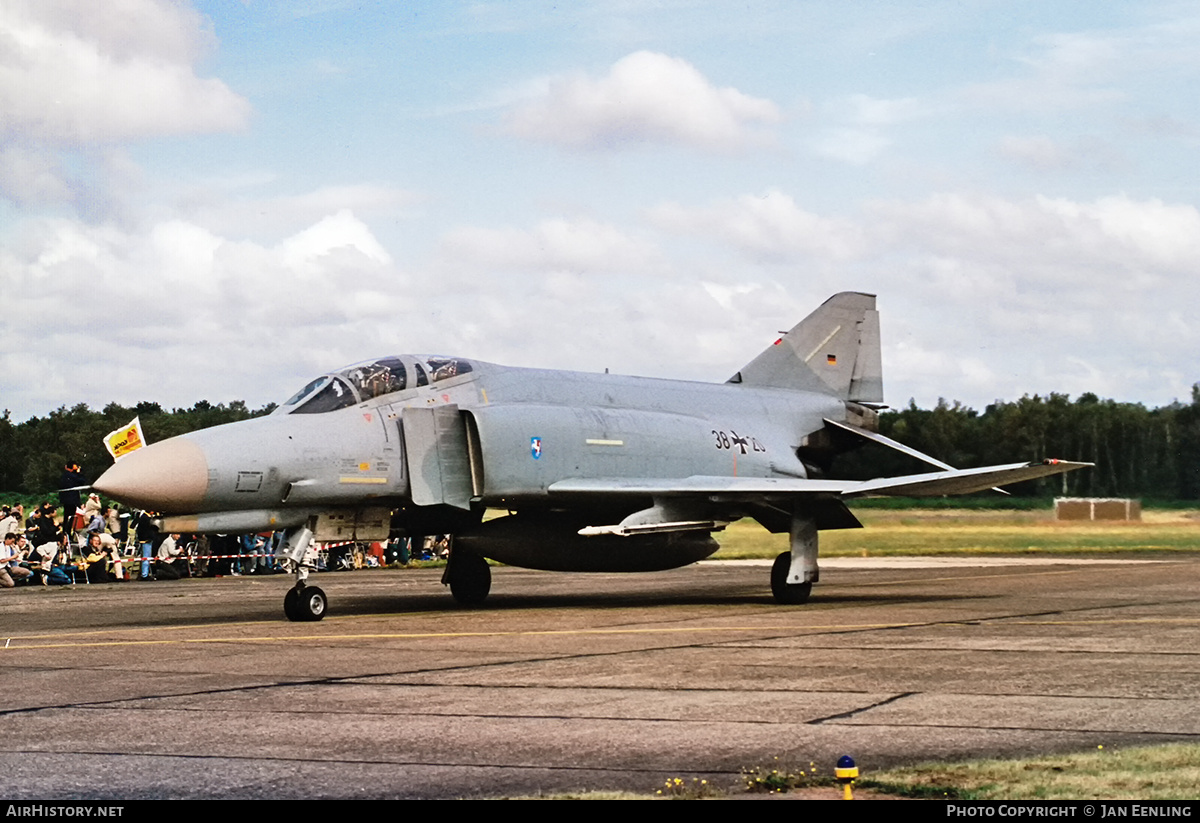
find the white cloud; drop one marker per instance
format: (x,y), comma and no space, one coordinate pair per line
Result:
(854,146)
(78,79)
(1075,53)
(77,72)
(1040,288)
(339,231)
(170,31)
(982,296)
(32,176)
(1050,243)
(579,245)
(222,207)
(176,312)
(1038,152)
(874,111)
(1061,72)
(1151,231)
(859,124)
(1041,153)
(768,226)
(645,98)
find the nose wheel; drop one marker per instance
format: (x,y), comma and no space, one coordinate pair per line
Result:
(305,604)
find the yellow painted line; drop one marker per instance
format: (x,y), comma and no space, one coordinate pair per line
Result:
(19,643)
(466,635)
(138,630)
(363,480)
(1115,621)
(595,442)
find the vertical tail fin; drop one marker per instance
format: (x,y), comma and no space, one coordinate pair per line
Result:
(835,350)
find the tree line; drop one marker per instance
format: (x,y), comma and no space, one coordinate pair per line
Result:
(1138,452)
(32,453)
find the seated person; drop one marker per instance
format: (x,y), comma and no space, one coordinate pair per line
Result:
(53,562)
(170,564)
(10,559)
(97,559)
(44,554)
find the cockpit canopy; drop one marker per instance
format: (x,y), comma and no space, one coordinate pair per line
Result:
(370,379)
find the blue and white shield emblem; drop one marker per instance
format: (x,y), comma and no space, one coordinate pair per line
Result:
(535,447)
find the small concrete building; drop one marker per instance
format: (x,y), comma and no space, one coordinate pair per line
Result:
(1097,508)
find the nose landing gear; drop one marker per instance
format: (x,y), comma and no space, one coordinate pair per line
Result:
(304,604)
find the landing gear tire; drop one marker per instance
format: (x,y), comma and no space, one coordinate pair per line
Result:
(789,594)
(290,600)
(305,605)
(470,578)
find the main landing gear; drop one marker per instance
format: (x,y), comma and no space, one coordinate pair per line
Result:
(469,577)
(795,571)
(789,594)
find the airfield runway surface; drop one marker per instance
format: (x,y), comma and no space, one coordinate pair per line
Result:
(200,688)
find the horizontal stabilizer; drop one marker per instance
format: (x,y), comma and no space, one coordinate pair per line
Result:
(883,440)
(961,481)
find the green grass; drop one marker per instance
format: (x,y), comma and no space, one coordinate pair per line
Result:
(975,532)
(1170,772)
(984,501)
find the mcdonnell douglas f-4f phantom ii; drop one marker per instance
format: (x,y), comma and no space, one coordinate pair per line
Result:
(598,472)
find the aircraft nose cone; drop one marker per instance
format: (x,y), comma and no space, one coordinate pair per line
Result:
(169,477)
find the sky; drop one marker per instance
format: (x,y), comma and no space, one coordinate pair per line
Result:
(221,200)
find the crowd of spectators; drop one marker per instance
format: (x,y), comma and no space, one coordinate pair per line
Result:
(81,540)
(102,545)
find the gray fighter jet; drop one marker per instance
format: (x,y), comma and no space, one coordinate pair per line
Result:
(596,472)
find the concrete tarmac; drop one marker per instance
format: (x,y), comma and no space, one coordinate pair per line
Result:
(200,688)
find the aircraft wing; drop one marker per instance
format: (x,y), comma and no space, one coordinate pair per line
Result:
(930,484)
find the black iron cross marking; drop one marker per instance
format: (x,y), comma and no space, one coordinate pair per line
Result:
(740,442)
